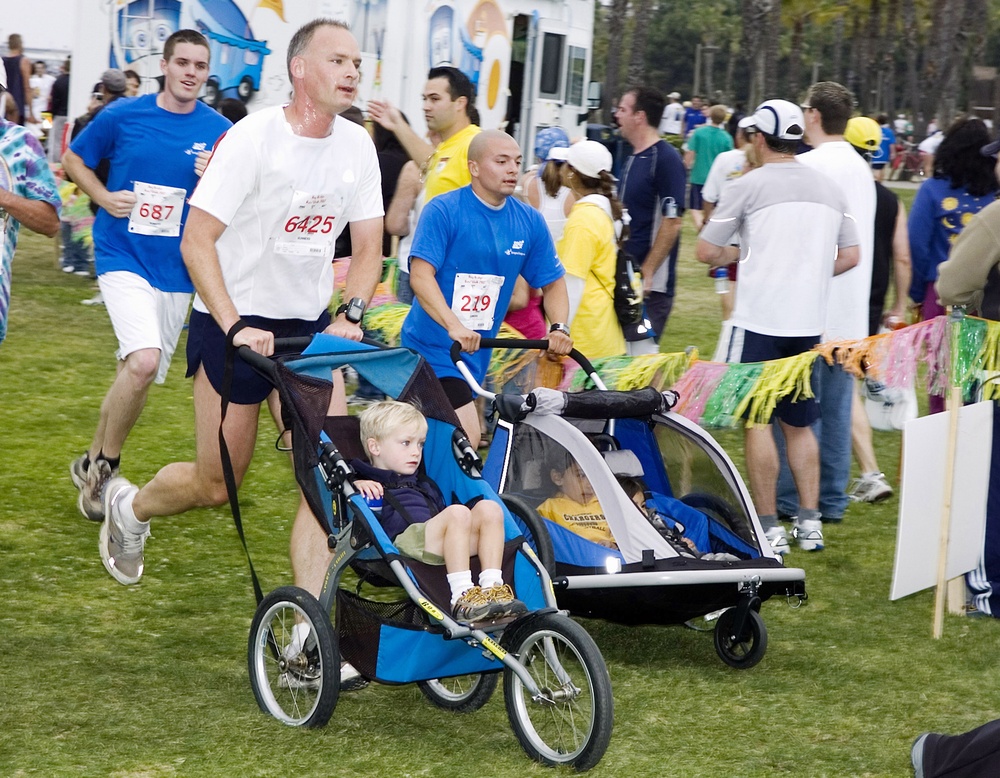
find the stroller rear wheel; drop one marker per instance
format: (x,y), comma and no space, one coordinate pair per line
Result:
(570,722)
(745,649)
(293,659)
(462,693)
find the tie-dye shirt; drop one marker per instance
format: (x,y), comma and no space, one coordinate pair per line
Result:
(25,171)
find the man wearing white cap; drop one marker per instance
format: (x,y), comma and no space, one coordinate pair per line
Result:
(826,110)
(793,236)
(28,196)
(672,120)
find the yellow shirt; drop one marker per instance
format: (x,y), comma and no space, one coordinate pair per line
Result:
(587,521)
(588,251)
(448,167)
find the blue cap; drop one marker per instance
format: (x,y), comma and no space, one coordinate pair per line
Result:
(548,139)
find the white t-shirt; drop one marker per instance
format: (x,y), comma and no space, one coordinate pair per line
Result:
(41,88)
(726,167)
(790,221)
(848,311)
(929,145)
(672,119)
(284,200)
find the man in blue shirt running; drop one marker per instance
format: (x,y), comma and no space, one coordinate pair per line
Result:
(152,143)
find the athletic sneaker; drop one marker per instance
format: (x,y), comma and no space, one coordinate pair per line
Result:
(809,533)
(473,606)
(778,540)
(503,597)
(121,550)
(871,487)
(78,472)
(91,499)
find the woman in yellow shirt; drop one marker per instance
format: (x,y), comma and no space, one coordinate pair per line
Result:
(588,250)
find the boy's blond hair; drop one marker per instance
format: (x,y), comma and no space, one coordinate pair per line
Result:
(382,418)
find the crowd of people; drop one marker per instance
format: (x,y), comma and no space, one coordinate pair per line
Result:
(784,200)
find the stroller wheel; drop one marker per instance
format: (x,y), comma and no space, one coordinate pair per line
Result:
(532,526)
(462,693)
(570,722)
(743,650)
(293,659)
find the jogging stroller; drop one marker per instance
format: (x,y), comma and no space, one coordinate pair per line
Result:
(691,489)
(556,685)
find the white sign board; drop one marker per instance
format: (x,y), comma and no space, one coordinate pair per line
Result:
(918,536)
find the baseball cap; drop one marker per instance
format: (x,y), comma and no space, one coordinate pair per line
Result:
(589,158)
(548,139)
(674,96)
(863,133)
(113,80)
(778,118)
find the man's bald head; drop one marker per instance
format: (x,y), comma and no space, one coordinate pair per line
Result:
(487,141)
(494,163)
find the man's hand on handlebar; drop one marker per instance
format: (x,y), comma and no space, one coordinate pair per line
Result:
(560,344)
(468,338)
(260,341)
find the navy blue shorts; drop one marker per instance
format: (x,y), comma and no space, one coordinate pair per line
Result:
(695,203)
(206,346)
(746,346)
(458,390)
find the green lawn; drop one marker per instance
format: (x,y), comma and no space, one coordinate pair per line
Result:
(100,679)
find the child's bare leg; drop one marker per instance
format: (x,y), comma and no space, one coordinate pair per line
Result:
(448,535)
(487,534)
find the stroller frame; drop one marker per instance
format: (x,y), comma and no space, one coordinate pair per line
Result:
(552,670)
(647,581)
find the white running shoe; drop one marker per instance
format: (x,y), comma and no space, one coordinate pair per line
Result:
(121,550)
(871,487)
(809,533)
(778,539)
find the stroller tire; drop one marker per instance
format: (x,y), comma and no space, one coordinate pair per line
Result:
(745,650)
(533,528)
(571,723)
(462,693)
(298,684)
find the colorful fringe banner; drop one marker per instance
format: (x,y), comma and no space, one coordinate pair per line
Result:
(722,395)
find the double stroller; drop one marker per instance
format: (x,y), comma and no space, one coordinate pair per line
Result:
(694,548)
(556,686)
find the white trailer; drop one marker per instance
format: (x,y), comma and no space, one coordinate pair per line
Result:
(530,59)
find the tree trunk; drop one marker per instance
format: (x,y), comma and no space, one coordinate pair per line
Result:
(641,11)
(794,85)
(837,67)
(912,83)
(612,74)
(772,38)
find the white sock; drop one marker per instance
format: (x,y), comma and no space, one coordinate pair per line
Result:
(491,577)
(460,583)
(129,521)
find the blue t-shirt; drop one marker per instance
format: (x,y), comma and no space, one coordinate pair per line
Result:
(655,177)
(459,233)
(938,214)
(693,117)
(884,153)
(147,144)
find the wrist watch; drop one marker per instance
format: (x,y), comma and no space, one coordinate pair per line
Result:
(353,310)
(560,327)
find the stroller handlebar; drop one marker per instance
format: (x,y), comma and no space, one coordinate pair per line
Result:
(540,345)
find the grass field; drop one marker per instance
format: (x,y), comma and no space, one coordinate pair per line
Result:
(147,681)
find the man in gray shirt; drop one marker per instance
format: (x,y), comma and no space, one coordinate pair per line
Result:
(794,236)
